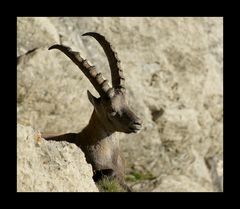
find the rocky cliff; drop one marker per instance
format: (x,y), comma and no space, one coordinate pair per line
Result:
(174,77)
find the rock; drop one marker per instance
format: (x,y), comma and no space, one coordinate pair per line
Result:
(48,166)
(34,32)
(174,77)
(178,183)
(45,93)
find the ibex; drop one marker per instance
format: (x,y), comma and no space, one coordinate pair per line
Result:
(111,114)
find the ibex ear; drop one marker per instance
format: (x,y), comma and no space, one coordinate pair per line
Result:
(92,98)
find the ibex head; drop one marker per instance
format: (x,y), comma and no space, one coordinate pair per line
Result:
(114,112)
(111,107)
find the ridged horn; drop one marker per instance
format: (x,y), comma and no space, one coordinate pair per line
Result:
(90,72)
(114,63)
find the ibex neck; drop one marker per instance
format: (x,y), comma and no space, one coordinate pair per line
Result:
(94,131)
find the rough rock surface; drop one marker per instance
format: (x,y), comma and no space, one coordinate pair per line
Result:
(48,166)
(174,77)
(40,32)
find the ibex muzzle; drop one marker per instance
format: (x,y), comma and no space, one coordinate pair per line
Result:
(111,114)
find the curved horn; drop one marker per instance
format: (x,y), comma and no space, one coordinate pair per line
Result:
(95,78)
(114,63)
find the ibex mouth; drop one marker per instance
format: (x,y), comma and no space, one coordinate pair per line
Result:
(135,127)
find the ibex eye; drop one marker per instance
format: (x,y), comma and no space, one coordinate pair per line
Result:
(113,113)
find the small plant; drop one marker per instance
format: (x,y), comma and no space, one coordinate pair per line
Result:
(134,176)
(109,185)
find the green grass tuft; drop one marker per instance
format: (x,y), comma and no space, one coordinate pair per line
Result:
(134,176)
(107,185)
